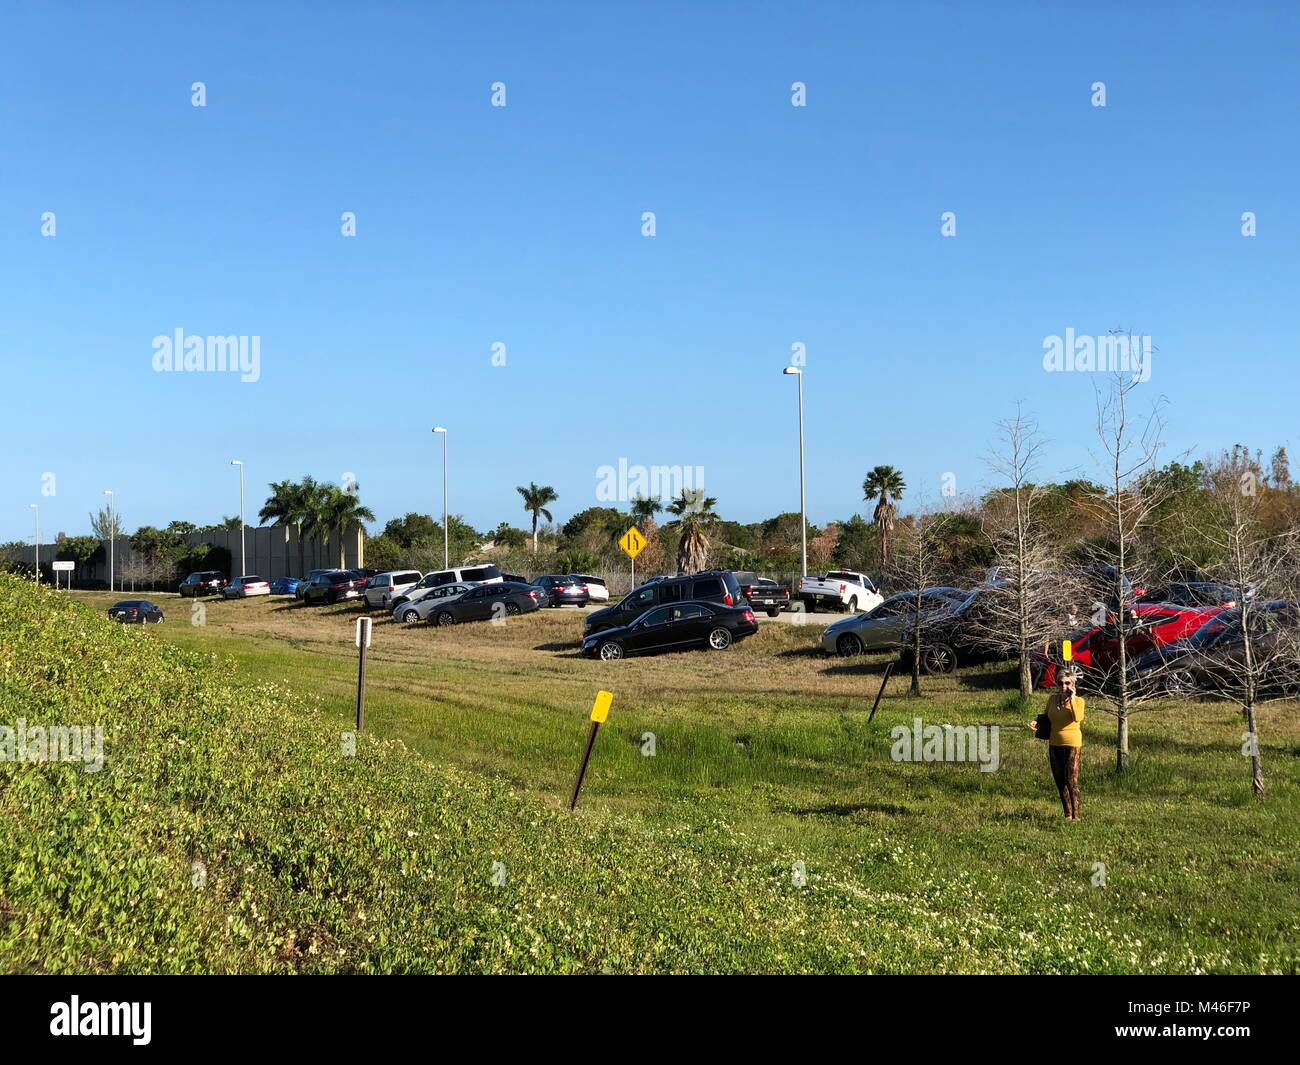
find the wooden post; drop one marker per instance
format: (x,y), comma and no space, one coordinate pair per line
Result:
(884,680)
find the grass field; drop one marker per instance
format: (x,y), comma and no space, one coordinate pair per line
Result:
(931,866)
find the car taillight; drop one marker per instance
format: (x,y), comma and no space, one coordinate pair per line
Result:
(727,599)
(749,615)
(785,589)
(533,595)
(842,587)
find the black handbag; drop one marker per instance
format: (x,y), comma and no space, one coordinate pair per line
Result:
(1042,727)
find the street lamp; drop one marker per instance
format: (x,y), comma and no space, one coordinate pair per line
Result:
(243,561)
(446,562)
(112,532)
(38,540)
(803,495)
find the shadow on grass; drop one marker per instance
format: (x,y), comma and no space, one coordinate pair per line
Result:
(848,809)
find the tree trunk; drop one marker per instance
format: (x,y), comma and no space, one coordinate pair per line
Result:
(1121,740)
(1256,766)
(1026,678)
(534,534)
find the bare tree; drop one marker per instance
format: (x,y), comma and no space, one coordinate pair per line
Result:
(1250,653)
(1027,604)
(914,565)
(1126,505)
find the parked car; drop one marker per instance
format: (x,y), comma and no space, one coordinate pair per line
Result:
(285,585)
(421,609)
(559,590)
(334,586)
(957,636)
(135,612)
(1213,658)
(1096,648)
(842,589)
(458,575)
(882,628)
(516,577)
(301,590)
(381,589)
(486,602)
(765,594)
(243,587)
(674,627)
(1196,593)
(205,582)
(712,586)
(597,590)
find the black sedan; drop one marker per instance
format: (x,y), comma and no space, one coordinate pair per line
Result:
(489,602)
(674,628)
(135,612)
(559,590)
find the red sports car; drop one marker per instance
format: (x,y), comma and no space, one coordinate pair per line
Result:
(1096,649)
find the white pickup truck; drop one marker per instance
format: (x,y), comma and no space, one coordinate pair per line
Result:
(843,589)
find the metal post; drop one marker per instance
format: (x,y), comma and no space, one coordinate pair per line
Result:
(37,509)
(446,563)
(363,641)
(112,533)
(586,757)
(803,495)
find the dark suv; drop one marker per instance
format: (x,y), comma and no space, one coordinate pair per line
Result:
(712,586)
(332,587)
(206,582)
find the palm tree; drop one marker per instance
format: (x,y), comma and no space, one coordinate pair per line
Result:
(535,500)
(644,509)
(341,510)
(695,513)
(297,504)
(886,485)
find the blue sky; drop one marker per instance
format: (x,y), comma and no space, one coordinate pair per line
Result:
(522,225)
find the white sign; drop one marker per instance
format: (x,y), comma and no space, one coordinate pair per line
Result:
(363,623)
(63,567)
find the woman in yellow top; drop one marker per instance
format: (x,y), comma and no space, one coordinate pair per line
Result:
(1065,712)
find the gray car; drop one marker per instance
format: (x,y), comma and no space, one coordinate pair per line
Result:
(882,629)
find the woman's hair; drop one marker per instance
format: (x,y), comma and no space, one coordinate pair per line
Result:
(1068,673)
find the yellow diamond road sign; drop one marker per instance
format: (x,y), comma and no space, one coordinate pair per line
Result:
(632,542)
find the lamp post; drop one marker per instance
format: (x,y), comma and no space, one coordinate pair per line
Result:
(37,509)
(112,532)
(803,494)
(243,561)
(446,561)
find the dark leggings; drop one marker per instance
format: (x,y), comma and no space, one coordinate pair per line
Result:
(1065,771)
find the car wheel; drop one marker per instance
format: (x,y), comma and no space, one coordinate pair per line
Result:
(1180,682)
(410,616)
(938,659)
(848,645)
(720,639)
(812,606)
(611,652)
(445,618)
(774,612)
(512,609)
(853,605)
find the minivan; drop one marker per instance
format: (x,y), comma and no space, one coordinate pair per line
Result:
(383,588)
(712,586)
(488,574)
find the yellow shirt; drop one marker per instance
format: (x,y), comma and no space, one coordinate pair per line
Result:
(1065,720)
